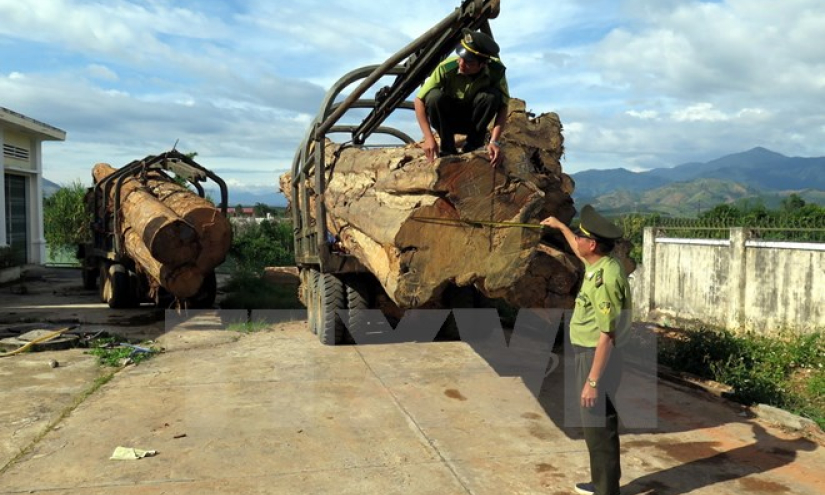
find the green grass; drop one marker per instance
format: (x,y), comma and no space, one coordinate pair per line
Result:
(109,353)
(248,327)
(786,371)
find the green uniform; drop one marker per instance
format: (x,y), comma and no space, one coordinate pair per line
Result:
(463,87)
(604,304)
(462,104)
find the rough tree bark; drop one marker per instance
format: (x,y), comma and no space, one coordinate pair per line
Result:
(169,239)
(214,230)
(383,205)
(174,236)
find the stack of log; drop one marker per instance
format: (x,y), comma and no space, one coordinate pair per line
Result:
(175,237)
(384,206)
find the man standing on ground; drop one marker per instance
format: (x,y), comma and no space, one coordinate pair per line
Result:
(598,327)
(462,95)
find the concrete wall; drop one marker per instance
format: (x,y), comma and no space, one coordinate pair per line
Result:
(736,283)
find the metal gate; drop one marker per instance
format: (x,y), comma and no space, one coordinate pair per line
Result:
(16,216)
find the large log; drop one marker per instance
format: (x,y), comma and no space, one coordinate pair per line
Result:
(214,229)
(169,239)
(181,281)
(382,204)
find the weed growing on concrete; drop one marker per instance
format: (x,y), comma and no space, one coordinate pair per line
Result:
(248,326)
(112,351)
(784,371)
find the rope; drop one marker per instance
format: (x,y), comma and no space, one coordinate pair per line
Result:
(39,340)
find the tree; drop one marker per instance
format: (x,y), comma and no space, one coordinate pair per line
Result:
(792,203)
(721,212)
(65,219)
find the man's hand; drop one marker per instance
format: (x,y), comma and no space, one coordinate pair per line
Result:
(552,222)
(589,396)
(430,148)
(495,154)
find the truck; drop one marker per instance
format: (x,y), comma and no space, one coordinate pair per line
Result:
(155,236)
(379,227)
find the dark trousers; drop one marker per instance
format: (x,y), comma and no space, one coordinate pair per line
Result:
(601,423)
(450,116)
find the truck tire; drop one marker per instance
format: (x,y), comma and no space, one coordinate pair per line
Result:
(121,293)
(312,300)
(103,285)
(359,302)
(331,298)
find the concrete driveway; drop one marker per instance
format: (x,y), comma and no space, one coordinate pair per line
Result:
(275,412)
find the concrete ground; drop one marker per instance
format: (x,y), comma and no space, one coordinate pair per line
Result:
(275,412)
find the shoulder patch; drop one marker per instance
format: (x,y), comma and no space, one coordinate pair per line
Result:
(599,277)
(450,64)
(605,307)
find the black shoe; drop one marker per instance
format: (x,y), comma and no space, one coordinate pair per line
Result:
(585,488)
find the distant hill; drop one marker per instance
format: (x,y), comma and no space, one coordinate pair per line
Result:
(755,175)
(49,188)
(246,198)
(676,199)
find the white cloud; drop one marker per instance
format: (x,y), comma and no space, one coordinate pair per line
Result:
(637,83)
(701,112)
(97,71)
(643,114)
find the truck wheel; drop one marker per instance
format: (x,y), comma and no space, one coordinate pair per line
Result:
(358,304)
(303,289)
(312,300)
(331,298)
(121,293)
(104,287)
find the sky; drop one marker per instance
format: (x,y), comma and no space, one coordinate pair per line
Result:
(638,84)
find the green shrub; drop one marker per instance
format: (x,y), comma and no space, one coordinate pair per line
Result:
(258,245)
(784,371)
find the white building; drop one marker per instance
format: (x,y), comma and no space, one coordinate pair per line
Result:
(21,184)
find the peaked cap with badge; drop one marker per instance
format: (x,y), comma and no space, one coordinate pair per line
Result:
(476,46)
(596,227)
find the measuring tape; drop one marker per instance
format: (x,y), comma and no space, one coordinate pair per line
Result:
(478,223)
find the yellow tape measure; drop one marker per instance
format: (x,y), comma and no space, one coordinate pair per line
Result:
(477,223)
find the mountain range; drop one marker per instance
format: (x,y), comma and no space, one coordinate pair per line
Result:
(756,175)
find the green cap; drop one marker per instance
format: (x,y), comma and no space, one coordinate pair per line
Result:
(595,226)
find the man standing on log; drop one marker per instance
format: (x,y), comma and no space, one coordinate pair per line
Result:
(462,95)
(598,327)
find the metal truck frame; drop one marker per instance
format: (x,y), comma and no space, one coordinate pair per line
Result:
(330,280)
(105,263)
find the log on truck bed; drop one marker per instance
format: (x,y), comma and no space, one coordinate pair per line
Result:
(402,217)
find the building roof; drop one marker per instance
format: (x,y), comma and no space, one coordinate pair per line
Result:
(27,124)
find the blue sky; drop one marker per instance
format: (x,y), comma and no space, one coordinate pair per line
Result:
(637,83)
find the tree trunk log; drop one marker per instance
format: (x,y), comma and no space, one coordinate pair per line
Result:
(382,205)
(181,281)
(169,239)
(214,230)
